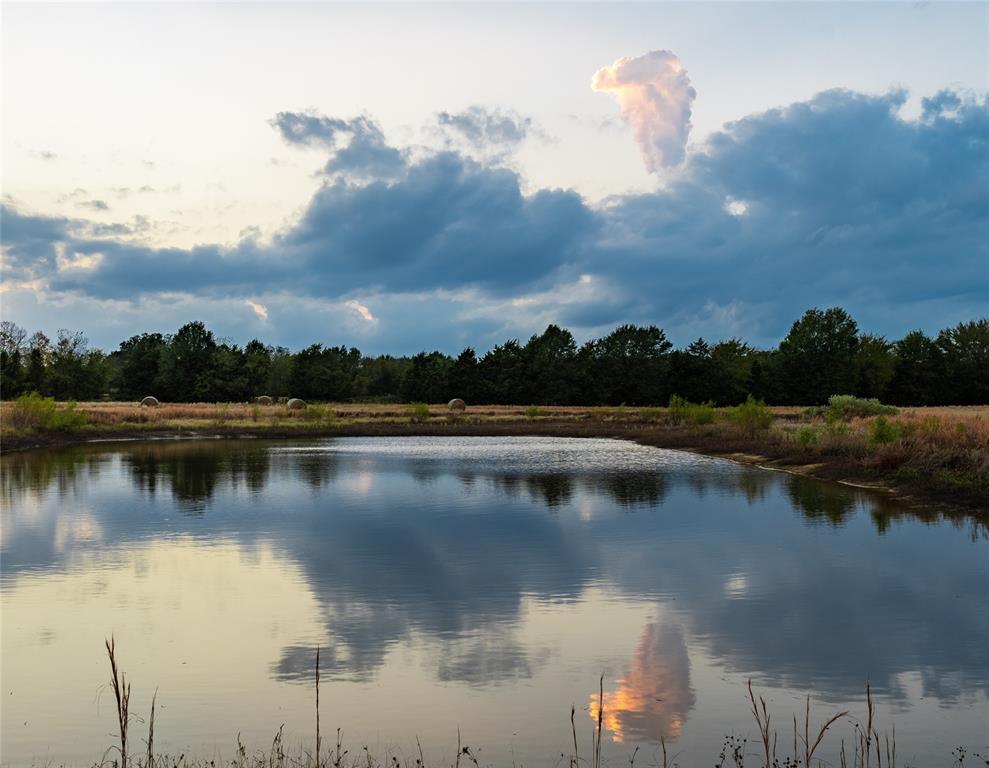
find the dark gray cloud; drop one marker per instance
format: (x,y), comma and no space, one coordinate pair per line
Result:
(485,128)
(838,199)
(358,145)
(94,205)
(844,201)
(448,223)
(367,157)
(311,128)
(30,243)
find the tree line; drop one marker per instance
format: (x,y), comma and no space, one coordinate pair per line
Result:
(823,354)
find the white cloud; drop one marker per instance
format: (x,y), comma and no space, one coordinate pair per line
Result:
(360,309)
(259,309)
(655,97)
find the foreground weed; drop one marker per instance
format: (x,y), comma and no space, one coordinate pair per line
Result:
(34,412)
(418,412)
(870,747)
(881,432)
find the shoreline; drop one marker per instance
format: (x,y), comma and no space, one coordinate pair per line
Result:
(750,452)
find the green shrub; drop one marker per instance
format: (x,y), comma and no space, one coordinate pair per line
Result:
(222,415)
(682,410)
(700,413)
(651,414)
(881,432)
(807,436)
(614,412)
(677,409)
(837,428)
(845,407)
(752,416)
(532,412)
(418,412)
(34,412)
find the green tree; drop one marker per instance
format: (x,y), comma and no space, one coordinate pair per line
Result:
(381,377)
(138,364)
(501,373)
(11,374)
(280,373)
(39,352)
(74,372)
(918,372)
(12,337)
(732,363)
(426,379)
(629,365)
(257,368)
(875,364)
(230,382)
(325,373)
(12,346)
(817,357)
(188,365)
(463,378)
(692,372)
(965,350)
(550,362)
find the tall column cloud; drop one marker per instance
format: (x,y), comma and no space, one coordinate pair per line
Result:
(655,97)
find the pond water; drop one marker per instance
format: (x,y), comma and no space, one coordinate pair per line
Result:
(475,583)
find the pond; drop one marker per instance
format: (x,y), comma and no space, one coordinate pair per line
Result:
(475,583)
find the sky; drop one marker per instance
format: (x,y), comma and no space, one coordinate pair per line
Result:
(407,177)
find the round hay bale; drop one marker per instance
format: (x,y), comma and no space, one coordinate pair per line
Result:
(457,405)
(150,402)
(295,404)
(263,400)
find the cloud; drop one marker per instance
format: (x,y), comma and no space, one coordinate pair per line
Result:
(258,309)
(310,128)
(75,194)
(655,97)
(360,309)
(94,205)
(835,200)
(493,133)
(365,155)
(449,223)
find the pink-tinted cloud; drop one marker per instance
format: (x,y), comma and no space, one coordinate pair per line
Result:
(655,96)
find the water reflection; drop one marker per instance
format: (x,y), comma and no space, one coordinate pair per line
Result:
(190,472)
(469,555)
(654,696)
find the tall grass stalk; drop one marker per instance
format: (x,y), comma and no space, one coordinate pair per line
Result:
(597,739)
(318,741)
(151,733)
(121,694)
